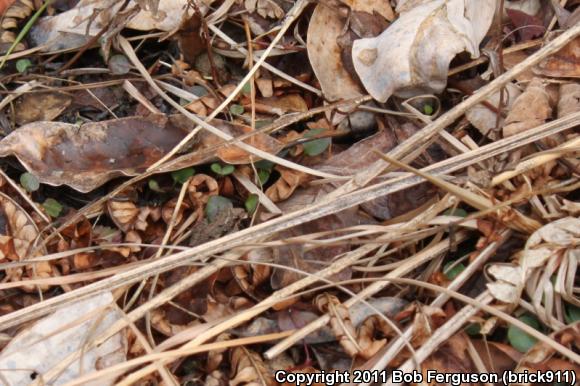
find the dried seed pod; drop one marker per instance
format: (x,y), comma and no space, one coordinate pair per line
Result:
(12,17)
(17,235)
(201,187)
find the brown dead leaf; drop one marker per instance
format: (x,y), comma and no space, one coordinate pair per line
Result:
(169,208)
(497,357)
(190,39)
(530,109)
(569,102)
(233,154)
(216,357)
(526,26)
(44,106)
(381,7)
(563,64)
(4,4)
(248,368)
(511,59)
(266,86)
(361,154)
(324,52)
(18,230)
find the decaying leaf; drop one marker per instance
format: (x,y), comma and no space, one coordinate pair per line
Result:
(412,56)
(86,156)
(18,234)
(280,105)
(235,155)
(527,26)
(370,335)
(530,109)
(61,334)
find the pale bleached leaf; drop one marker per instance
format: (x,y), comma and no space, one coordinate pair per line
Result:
(412,56)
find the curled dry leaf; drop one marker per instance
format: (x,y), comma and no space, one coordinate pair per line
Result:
(169,208)
(201,188)
(18,231)
(363,341)
(283,188)
(412,56)
(248,368)
(59,336)
(551,251)
(530,109)
(5,4)
(216,357)
(340,323)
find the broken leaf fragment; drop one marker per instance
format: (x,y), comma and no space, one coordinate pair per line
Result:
(412,56)
(564,63)
(486,120)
